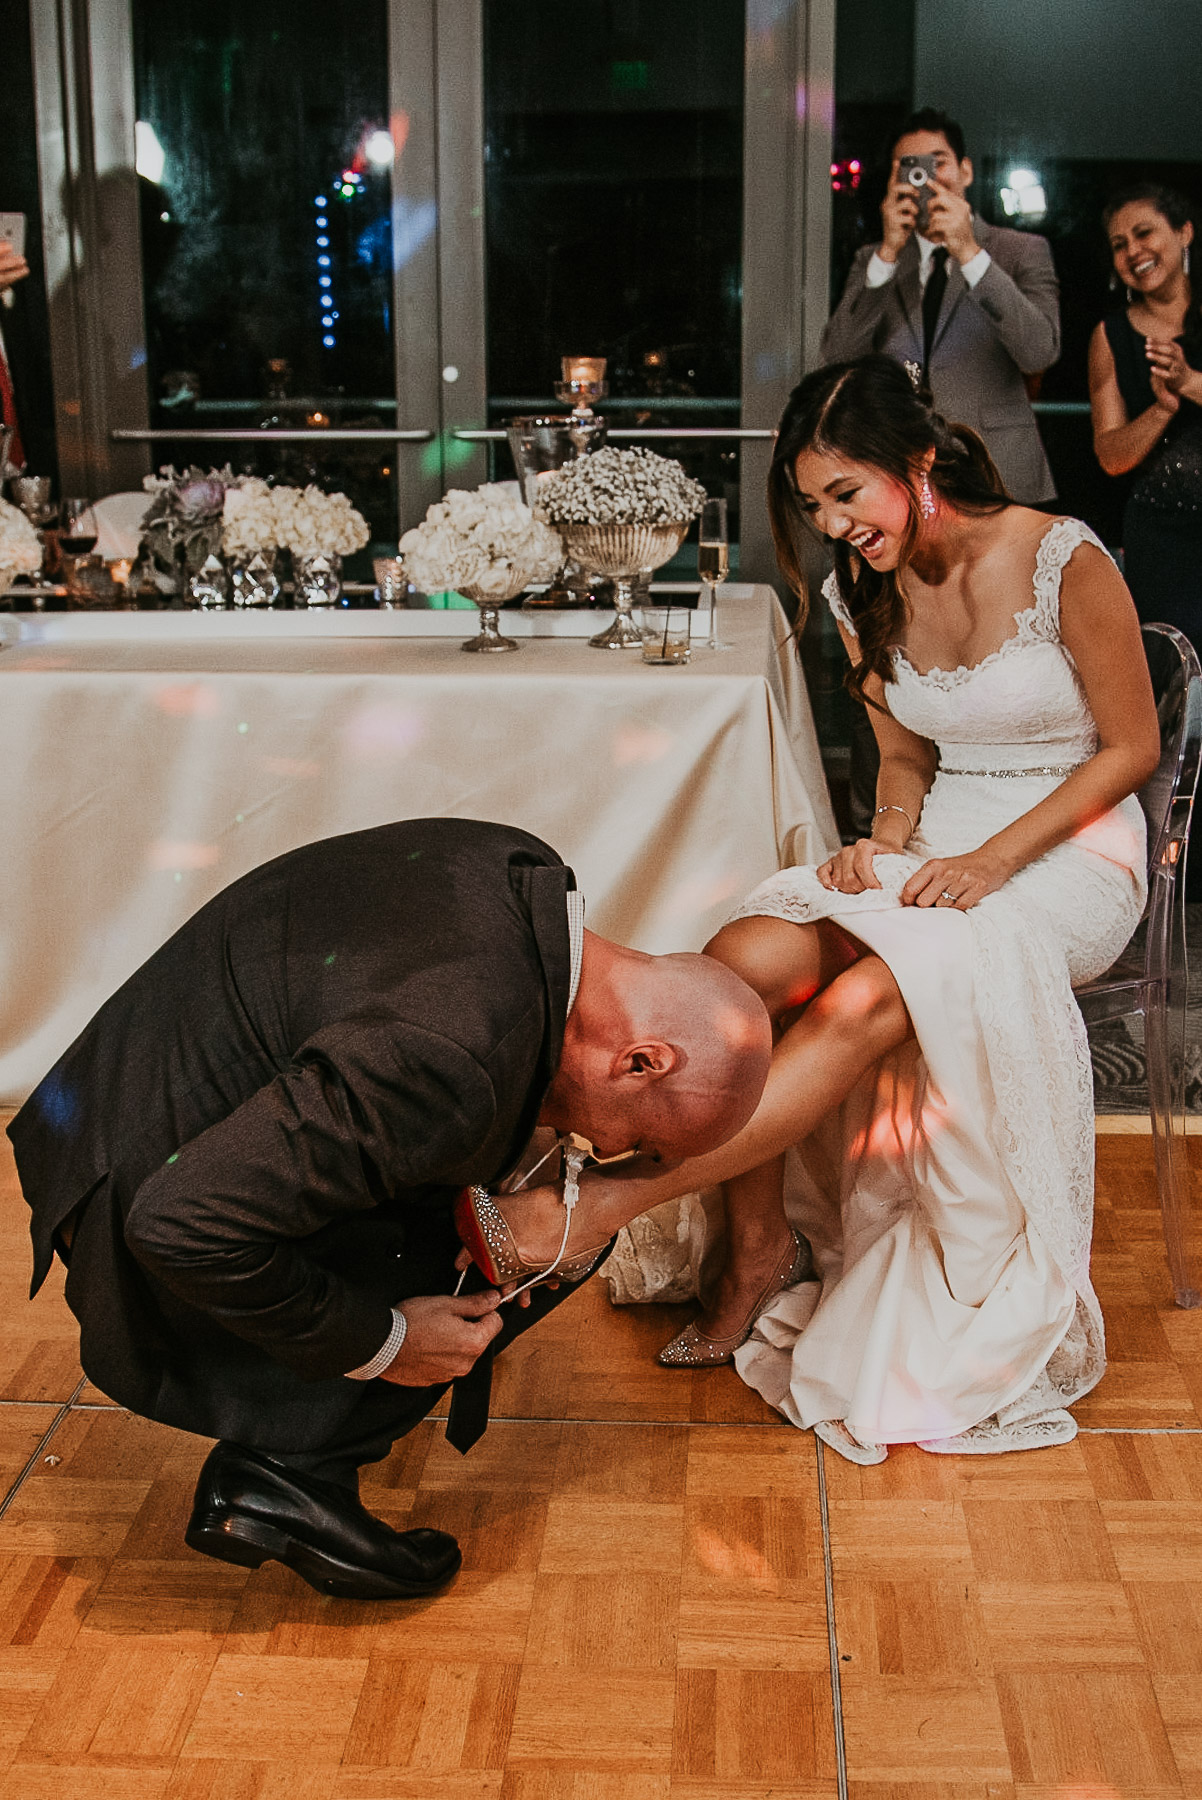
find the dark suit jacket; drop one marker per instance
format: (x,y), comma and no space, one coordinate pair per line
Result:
(260,1119)
(987,339)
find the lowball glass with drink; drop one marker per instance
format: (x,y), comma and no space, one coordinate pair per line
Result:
(713,562)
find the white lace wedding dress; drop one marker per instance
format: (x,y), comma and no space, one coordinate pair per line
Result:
(950,1199)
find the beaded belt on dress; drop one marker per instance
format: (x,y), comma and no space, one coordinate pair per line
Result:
(1010,774)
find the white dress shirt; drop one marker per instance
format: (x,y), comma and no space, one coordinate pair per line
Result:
(879,271)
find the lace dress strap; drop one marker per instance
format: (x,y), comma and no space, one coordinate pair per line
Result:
(834,599)
(1056,546)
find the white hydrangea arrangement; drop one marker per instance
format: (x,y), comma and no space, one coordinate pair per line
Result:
(484,539)
(20,547)
(259,518)
(620,487)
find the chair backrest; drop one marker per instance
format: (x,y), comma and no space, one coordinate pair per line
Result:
(1168,797)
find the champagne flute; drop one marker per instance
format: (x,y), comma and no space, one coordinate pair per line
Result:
(78,528)
(713,562)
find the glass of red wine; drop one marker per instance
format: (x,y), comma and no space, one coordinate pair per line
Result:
(77,527)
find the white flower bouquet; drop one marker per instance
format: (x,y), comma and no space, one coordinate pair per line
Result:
(257,518)
(484,540)
(20,547)
(620,487)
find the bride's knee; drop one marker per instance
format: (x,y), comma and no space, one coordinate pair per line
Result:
(865,1001)
(779,960)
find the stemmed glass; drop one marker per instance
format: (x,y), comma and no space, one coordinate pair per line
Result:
(713,562)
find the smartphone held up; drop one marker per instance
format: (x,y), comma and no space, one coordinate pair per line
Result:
(916,174)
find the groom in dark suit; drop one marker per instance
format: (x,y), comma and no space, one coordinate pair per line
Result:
(249,1158)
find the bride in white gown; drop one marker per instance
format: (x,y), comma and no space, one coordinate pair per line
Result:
(931,1079)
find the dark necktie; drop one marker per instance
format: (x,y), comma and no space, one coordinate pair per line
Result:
(932,300)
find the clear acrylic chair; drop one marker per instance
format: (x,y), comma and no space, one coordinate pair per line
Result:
(1150,977)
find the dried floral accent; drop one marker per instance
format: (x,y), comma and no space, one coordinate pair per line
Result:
(20,547)
(185,513)
(620,487)
(482,539)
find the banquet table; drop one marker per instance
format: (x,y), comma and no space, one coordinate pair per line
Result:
(150,759)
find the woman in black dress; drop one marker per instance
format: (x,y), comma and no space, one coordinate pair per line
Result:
(1145,386)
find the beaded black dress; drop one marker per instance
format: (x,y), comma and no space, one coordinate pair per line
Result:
(1162,521)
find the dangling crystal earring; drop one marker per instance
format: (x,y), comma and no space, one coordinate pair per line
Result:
(926,500)
(1185,260)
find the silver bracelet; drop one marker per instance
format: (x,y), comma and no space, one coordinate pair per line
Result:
(897,809)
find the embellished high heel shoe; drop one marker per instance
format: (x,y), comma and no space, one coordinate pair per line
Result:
(485,1234)
(691,1349)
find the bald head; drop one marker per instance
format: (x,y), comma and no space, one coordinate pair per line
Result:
(668,1054)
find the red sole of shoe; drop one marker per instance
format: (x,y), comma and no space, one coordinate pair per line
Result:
(473,1239)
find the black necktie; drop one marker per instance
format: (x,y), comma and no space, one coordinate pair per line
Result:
(932,300)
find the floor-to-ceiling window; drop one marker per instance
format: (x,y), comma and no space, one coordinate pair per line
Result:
(398,217)
(614,209)
(264,153)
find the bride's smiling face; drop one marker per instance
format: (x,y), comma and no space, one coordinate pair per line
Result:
(854,502)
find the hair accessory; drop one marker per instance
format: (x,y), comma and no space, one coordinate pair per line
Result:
(914,371)
(926,500)
(898,809)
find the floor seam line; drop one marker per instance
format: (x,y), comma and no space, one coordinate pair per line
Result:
(49,1432)
(832,1636)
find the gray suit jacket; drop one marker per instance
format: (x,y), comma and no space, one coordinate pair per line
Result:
(986,339)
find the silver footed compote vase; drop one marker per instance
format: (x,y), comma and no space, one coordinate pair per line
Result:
(489,636)
(621,552)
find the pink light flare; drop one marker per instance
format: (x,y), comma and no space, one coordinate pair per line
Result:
(188,700)
(172,854)
(732,1558)
(640,744)
(700,894)
(382,732)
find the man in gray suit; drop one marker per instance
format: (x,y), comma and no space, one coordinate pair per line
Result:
(974,306)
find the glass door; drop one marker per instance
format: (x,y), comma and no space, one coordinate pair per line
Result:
(264,158)
(613,155)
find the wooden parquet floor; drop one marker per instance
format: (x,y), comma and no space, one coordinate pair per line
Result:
(666,1594)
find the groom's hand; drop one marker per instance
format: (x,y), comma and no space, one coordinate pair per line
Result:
(447,1332)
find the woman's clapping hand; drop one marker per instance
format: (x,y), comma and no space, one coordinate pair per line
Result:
(1172,377)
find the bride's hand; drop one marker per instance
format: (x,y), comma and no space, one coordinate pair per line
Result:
(955,881)
(850,871)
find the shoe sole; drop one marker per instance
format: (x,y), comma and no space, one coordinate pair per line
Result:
(251,1542)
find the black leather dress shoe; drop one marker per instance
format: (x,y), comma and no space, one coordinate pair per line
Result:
(251,1510)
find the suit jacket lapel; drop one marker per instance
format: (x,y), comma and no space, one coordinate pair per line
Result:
(957,287)
(909,292)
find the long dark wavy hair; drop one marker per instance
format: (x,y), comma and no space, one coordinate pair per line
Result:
(871,412)
(1172,205)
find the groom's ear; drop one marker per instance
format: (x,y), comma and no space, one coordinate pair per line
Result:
(650,1059)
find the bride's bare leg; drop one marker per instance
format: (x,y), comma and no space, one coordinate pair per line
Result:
(786,965)
(853,1019)
(757,1236)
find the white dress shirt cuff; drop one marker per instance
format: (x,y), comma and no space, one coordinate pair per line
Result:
(975,267)
(384,1355)
(878,271)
